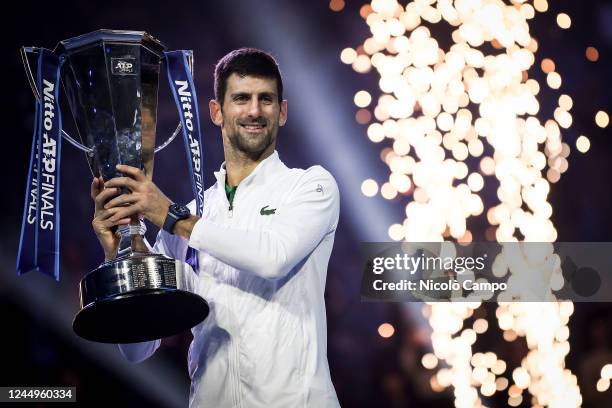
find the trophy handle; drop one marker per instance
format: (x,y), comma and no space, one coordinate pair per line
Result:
(26,65)
(170,139)
(24,51)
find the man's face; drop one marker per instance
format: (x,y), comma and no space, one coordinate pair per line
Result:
(251,114)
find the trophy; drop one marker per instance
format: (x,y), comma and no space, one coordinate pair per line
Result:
(111,79)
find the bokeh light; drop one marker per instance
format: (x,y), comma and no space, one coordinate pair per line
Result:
(564,21)
(602,119)
(369,188)
(336,5)
(386,330)
(592,54)
(583,144)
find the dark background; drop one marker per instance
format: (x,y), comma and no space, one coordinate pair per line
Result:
(38,346)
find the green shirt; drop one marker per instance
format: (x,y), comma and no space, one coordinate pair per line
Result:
(230,192)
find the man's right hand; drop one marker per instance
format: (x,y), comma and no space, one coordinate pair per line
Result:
(103,227)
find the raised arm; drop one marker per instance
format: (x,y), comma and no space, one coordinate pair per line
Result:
(270,252)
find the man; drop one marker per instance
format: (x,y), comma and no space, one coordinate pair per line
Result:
(263,243)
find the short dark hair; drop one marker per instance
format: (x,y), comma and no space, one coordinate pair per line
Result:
(243,62)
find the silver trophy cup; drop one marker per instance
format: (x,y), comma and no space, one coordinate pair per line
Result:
(111,80)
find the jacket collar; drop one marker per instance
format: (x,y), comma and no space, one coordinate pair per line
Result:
(264,170)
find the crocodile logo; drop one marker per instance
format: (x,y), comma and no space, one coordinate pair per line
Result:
(265,211)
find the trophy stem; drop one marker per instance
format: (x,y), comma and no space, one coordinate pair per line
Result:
(132,238)
(136,238)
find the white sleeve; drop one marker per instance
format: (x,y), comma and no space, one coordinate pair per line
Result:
(138,352)
(270,252)
(170,245)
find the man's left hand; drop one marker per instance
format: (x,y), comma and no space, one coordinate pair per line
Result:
(144,198)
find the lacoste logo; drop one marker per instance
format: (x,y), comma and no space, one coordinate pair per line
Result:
(263,210)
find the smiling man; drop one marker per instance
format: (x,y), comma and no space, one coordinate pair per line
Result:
(263,244)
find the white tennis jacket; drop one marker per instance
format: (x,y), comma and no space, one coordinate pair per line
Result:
(263,266)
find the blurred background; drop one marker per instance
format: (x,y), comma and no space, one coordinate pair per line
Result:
(375,350)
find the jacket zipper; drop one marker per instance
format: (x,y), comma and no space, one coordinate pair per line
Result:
(232,204)
(230,201)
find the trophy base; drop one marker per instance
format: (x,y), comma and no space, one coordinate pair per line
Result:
(137,298)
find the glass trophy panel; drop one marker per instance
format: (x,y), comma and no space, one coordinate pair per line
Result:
(149,77)
(86,83)
(112,90)
(123,72)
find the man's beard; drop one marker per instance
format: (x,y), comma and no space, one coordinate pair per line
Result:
(251,146)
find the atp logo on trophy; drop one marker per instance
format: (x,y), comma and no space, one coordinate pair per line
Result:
(123,66)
